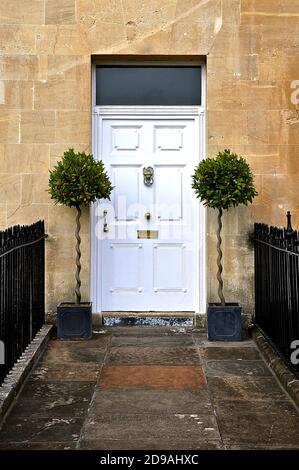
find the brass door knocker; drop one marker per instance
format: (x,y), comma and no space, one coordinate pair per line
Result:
(148,176)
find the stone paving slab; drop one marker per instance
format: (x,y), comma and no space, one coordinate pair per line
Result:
(150,444)
(199,341)
(153,355)
(98,341)
(67,371)
(152,377)
(259,428)
(143,426)
(54,399)
(232,354)
(247,388)
(153,341)
(283,408)
(151,402)
(240,368)
(260,447)
(224,344)
(41,429)
(74,353)
(51,445)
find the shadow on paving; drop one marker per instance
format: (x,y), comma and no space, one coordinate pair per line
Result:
(151,388)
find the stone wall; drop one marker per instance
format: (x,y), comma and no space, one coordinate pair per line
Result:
(252,53)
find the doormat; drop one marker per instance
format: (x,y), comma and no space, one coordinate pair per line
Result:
(147,321)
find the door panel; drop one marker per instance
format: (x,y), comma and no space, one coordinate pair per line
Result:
(169,267)
(168,196)
(124,177)
(141,274)
(126,273)
(125,139)
(168,138)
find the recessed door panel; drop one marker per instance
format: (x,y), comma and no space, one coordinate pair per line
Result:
(124,177)
(125,138)
(126,273)
(170,267)
(168,138)
(168,192)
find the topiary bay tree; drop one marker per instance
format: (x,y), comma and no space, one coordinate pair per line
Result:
(78,179)
(220,183)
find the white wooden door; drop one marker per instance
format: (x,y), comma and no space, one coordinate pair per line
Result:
(141,274)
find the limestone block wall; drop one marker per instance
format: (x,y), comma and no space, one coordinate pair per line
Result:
(251,49)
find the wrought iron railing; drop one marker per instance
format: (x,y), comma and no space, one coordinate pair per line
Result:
(276,259)
(22,290)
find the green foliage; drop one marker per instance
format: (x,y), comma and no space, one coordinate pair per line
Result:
(78,179)
(224,181)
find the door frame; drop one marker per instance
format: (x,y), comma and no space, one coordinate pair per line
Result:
(99,113)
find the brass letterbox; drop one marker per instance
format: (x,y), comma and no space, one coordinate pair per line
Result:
(149,234)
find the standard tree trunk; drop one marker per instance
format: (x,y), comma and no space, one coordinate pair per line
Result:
(78,256)
(219,259)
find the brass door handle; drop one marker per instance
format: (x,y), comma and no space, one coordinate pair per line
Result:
(105,225)
(147,215)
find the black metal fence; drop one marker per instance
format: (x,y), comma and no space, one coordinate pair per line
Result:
(22,289)
(276,256)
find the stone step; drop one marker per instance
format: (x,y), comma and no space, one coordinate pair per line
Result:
(148,318)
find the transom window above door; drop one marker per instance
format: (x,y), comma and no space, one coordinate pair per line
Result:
(148,85)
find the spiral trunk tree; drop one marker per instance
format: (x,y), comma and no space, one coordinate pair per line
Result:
(78,180)
(219,259)
(78,255)
(222,182)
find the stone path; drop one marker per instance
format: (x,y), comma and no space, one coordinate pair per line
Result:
(151,388)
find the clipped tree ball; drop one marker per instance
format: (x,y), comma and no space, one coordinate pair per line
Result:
(79,179)
(224,181)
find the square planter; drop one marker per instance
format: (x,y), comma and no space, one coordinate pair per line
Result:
(74,321)
(224,322)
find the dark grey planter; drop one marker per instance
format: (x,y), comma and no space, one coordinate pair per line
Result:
(224,322)
(74,321)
